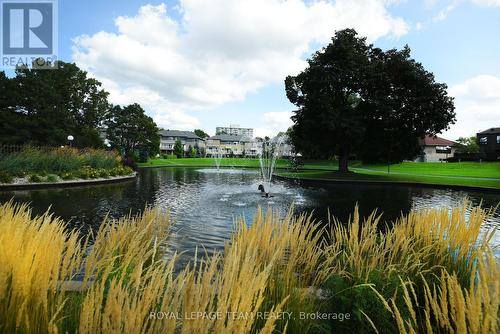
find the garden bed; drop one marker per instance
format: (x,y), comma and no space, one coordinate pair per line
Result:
(42,167)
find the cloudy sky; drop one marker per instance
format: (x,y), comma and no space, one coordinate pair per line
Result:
(204,63)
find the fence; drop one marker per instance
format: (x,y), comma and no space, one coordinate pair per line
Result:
(6,149)
(10,149)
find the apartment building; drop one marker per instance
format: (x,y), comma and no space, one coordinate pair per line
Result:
(187,138)
(489,144)
(237,145)
(234,130)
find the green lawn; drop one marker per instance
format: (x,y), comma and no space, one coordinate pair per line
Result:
(486,174)
(467,169)
(425,179)
(235,162)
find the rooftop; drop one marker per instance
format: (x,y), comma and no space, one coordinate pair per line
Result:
(178,133)
(429,140)
(226,137)
(491,130)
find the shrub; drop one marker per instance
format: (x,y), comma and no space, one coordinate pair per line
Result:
(67,176)
(52,178)
(130,161)
(143,156)
(34,178)
(121,171)
(5,177)
(104,173)
(83,173)
(93,173)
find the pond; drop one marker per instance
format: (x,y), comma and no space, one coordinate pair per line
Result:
(205,203)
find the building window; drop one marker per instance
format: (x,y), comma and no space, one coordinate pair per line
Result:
(483,140)
(498,139)
(443,149)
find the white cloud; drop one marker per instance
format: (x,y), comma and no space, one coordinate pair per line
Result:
(477,102)
(219,50)
(443,14)
(488,3)
(273,122)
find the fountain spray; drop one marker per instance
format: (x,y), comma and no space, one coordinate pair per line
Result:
(272,150)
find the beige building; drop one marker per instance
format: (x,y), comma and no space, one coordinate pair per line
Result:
(187,138)
(435,149)
(236,145)
(241,146)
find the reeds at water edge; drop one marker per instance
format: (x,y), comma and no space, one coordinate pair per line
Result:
(432,271)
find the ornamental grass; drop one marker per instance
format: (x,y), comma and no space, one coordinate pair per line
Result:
(432,271)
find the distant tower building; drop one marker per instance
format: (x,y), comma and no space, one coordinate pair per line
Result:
(234,129)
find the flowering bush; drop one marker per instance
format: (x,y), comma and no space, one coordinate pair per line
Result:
(94,173)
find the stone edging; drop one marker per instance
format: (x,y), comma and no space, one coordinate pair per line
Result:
(392,183)
(67,183)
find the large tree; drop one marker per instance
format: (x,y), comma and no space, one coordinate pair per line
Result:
(326,92)
(402,102)
(200,133)
(467,145)
(356,99)
(132,132)
(14,126)
(48,105)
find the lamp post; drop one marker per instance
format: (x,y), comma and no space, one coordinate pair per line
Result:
(107,143)
(70,139)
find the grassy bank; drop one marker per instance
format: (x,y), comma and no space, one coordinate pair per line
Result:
(376,176)
(53,164)
(234,162)
(430,273)
(465,169)
(486,174)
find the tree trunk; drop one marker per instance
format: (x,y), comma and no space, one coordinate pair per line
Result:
(344,160)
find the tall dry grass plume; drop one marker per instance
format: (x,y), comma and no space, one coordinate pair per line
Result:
(433,271)
(36,257)
(430,272)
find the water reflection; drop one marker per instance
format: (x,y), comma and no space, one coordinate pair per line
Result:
(205,203)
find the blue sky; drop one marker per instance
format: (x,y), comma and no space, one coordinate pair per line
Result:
(199,64)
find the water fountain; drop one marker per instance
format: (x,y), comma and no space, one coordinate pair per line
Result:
(271,151)
(218,158)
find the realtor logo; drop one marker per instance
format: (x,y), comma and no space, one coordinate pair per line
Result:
(29,30)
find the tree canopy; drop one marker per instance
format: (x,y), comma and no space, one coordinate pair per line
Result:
(200,133)
(131,131)
(45,106)
(467,145)
(178,149)
(356,99)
